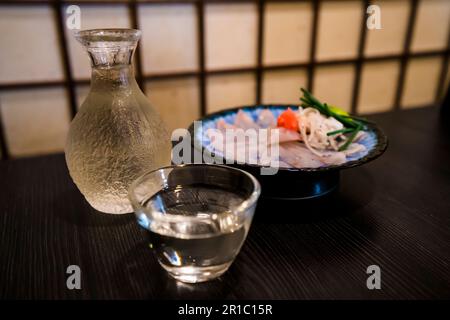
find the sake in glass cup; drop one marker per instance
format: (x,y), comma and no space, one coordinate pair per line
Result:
(197,215)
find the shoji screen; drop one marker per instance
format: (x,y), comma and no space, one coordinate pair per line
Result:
(197,57)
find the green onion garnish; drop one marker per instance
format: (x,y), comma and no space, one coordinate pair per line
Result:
(352,124)
(350,139)
(346,130)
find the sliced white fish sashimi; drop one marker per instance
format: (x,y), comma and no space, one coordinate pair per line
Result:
(217,138)
(298,156)
(359,136)
(286,135)
(222,125)
(354,148)
(283,164)
(244,121)
(333,157)
(310,147)
(240,148)
(266,119)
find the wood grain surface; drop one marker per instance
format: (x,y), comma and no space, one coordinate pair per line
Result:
(393,212)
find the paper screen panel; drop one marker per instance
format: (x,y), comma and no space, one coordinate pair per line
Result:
(287,33)
(36,121)
(176,100)
(378,86)
(30,50)
(230,31)
(169,38)
(338,29)
(283,86)
(421,81)
(432,25)
(226,91)
(389,39)
(334,84)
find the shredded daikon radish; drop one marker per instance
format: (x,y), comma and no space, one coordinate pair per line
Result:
(314,127)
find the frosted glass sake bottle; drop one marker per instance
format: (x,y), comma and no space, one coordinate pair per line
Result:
(116,135)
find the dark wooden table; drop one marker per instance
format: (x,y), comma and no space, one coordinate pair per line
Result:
(393,212)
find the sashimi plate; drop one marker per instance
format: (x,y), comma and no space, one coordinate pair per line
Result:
(288,183)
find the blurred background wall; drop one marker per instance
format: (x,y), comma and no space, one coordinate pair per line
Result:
(197,57)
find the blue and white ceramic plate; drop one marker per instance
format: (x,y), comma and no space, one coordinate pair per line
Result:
(374,140)
(291,183)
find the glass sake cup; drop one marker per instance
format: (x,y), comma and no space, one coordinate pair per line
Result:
(197,216)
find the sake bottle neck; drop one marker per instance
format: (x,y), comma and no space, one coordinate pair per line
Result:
(111,54)
(119,76)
